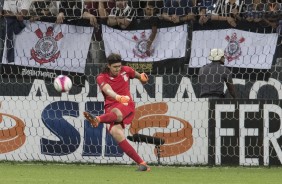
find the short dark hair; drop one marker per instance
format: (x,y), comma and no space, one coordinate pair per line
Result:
(113,58)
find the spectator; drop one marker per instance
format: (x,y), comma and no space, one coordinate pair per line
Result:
(92,9)
(105,8)
(17,8)
(148,15)
(44,10)
(230,12)
(90,13)
(254,11)
(96,52)
(177,11)
(204,10)
(70,10)
(272,14)
(121,15)
(73,11)
(53,8)
(212,77)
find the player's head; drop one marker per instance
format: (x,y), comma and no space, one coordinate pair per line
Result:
(217,55)
(114,64)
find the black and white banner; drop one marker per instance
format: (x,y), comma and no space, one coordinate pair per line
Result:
(168,47)
(169,43)
(51,46)
(243,49)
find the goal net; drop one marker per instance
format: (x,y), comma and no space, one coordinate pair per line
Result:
(176,125)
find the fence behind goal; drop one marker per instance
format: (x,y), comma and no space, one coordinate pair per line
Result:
(40,124)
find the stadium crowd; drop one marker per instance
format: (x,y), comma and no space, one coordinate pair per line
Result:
(121,13)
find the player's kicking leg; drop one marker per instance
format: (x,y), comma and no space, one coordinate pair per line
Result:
(93,120)
(143,167)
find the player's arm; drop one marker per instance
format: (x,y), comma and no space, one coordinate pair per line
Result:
(107,89)
(142,77)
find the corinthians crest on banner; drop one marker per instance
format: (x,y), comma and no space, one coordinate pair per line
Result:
(233,50)
(46,49)
(140,49)
(51,46)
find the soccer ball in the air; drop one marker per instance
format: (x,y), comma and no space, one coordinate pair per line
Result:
(62,83)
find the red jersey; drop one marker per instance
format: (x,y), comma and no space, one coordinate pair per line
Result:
(119,84)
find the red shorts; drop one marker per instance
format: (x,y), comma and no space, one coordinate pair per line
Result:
(127,111)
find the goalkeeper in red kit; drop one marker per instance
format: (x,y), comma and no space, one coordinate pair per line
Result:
(119,105)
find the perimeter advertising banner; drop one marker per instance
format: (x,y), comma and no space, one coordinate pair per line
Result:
(251,127)
(49,127)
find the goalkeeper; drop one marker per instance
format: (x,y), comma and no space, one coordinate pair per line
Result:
(119,106)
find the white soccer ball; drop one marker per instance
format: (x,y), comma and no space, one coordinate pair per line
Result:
(62,83)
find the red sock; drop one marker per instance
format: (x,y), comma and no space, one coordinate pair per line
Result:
(129,150)
(108,117)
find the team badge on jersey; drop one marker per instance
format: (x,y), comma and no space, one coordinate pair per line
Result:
(46,48)
(123,74)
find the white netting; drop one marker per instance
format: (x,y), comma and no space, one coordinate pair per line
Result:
(38,123)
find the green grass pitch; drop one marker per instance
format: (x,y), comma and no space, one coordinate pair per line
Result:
(38,173)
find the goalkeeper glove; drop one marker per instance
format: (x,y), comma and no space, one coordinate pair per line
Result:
(122,99)
(144,78)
